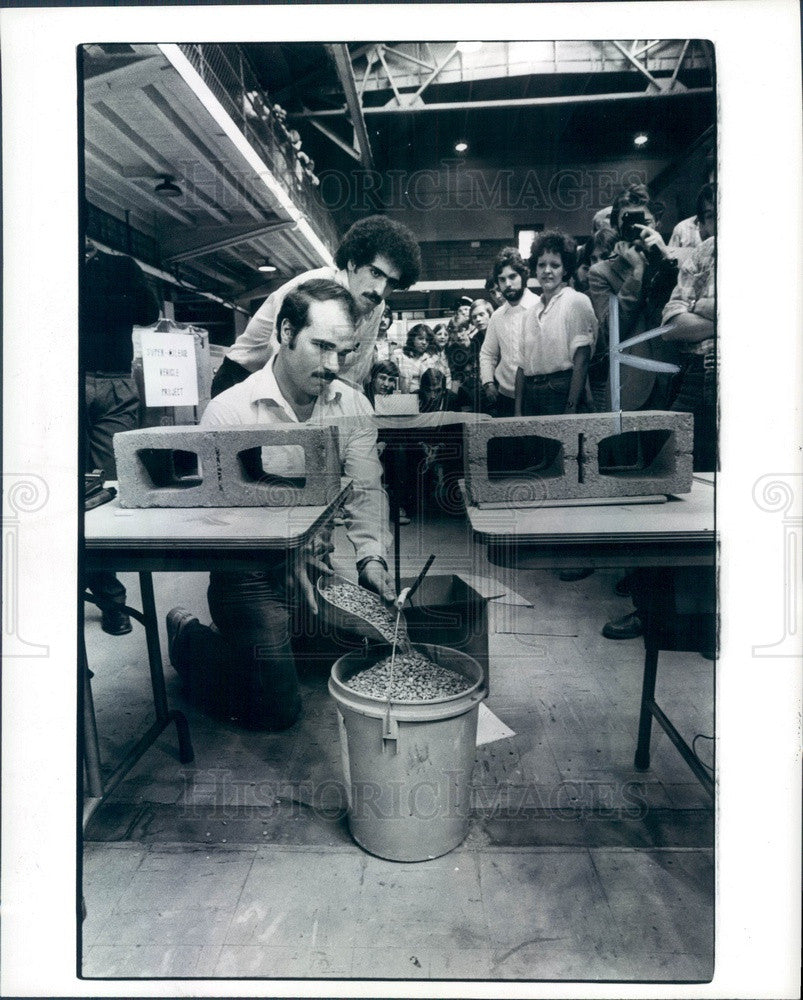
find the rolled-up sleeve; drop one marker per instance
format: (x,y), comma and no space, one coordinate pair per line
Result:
(366,511)
(489,353)
(581,323)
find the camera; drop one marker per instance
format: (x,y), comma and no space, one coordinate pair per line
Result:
(628,223)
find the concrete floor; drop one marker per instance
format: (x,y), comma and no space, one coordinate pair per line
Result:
(576,866)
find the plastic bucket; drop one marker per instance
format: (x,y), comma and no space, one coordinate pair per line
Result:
(408,765)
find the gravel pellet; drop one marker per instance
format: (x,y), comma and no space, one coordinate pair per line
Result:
(415,678)
(358,601)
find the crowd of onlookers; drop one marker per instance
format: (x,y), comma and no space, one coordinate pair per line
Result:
(525,352)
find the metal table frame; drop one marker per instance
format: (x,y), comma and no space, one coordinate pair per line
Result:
(633,537)
(172,549)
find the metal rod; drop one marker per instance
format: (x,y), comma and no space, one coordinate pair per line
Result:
(433,74)
(641,68)
(681,57)
(514,102)
(613,359)
(390,75)
(408,57)
(420,576)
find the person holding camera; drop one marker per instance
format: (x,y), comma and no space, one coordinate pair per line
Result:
(641,272)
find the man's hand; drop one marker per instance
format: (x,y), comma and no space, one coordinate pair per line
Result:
(491,392)
(635,258)
(317,553)
(374,577)
(652,241)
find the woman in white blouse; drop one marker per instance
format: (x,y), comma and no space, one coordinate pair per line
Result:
(558,334)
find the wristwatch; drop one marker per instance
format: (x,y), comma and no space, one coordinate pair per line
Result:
(362,563)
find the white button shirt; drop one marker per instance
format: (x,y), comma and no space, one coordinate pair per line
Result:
(500,354)
(258,400)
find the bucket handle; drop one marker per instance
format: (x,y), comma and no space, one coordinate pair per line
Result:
(390,732)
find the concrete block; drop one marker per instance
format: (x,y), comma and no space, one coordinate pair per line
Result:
(659,441)
(528,460)
(201,467)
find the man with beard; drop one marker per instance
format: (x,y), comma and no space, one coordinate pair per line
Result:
(500,354)
(377,256)
(244,666)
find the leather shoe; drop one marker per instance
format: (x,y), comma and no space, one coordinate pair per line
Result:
(629,627)
(115,622)
(570,575)
(176,620)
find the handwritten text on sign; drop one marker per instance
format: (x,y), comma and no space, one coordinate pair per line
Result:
(169,369)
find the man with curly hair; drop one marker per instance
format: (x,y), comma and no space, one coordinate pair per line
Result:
(377,256)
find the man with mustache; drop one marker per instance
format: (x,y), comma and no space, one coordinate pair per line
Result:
(377,256)
(244,666)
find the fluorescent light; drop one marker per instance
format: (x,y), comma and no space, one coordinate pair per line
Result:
(460,147)
(641,139)
(267,267)
(469,46)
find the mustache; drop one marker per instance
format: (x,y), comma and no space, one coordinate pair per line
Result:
(325,376)
(372,297)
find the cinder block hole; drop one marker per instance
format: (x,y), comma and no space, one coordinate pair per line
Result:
(637,454)
(171,469)
(522,457)
(274,465)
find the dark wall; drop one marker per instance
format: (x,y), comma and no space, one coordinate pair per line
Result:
(469,201)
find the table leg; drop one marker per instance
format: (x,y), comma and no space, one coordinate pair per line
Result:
(163,714)
(89,734)
(642,761)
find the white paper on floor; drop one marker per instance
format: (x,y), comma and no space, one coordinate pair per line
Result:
(493,590)
(490,728)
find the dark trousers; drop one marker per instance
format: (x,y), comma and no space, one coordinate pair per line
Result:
(111,405)
(545,395)
(246,666)
(230,373)
(698,395)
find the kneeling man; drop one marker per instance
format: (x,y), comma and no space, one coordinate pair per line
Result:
(244,664)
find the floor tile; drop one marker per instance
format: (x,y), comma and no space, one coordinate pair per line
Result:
(107,871)
(305,900)
(155,961)
(187,879)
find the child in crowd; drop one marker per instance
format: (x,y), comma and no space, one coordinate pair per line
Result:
(433,392)
(437,351)
(463,357)
(383,348)
(414,359)
(481,312)
(383,380)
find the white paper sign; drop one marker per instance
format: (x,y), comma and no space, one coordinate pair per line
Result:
(169,369)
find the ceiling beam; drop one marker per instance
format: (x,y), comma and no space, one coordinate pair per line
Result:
(333,137)
(241,235)
(345,71)
(513,102)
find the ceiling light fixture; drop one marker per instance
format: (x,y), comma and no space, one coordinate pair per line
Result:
(465,47)
(460,147)
(267,267)
(641,139)
(167,187)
